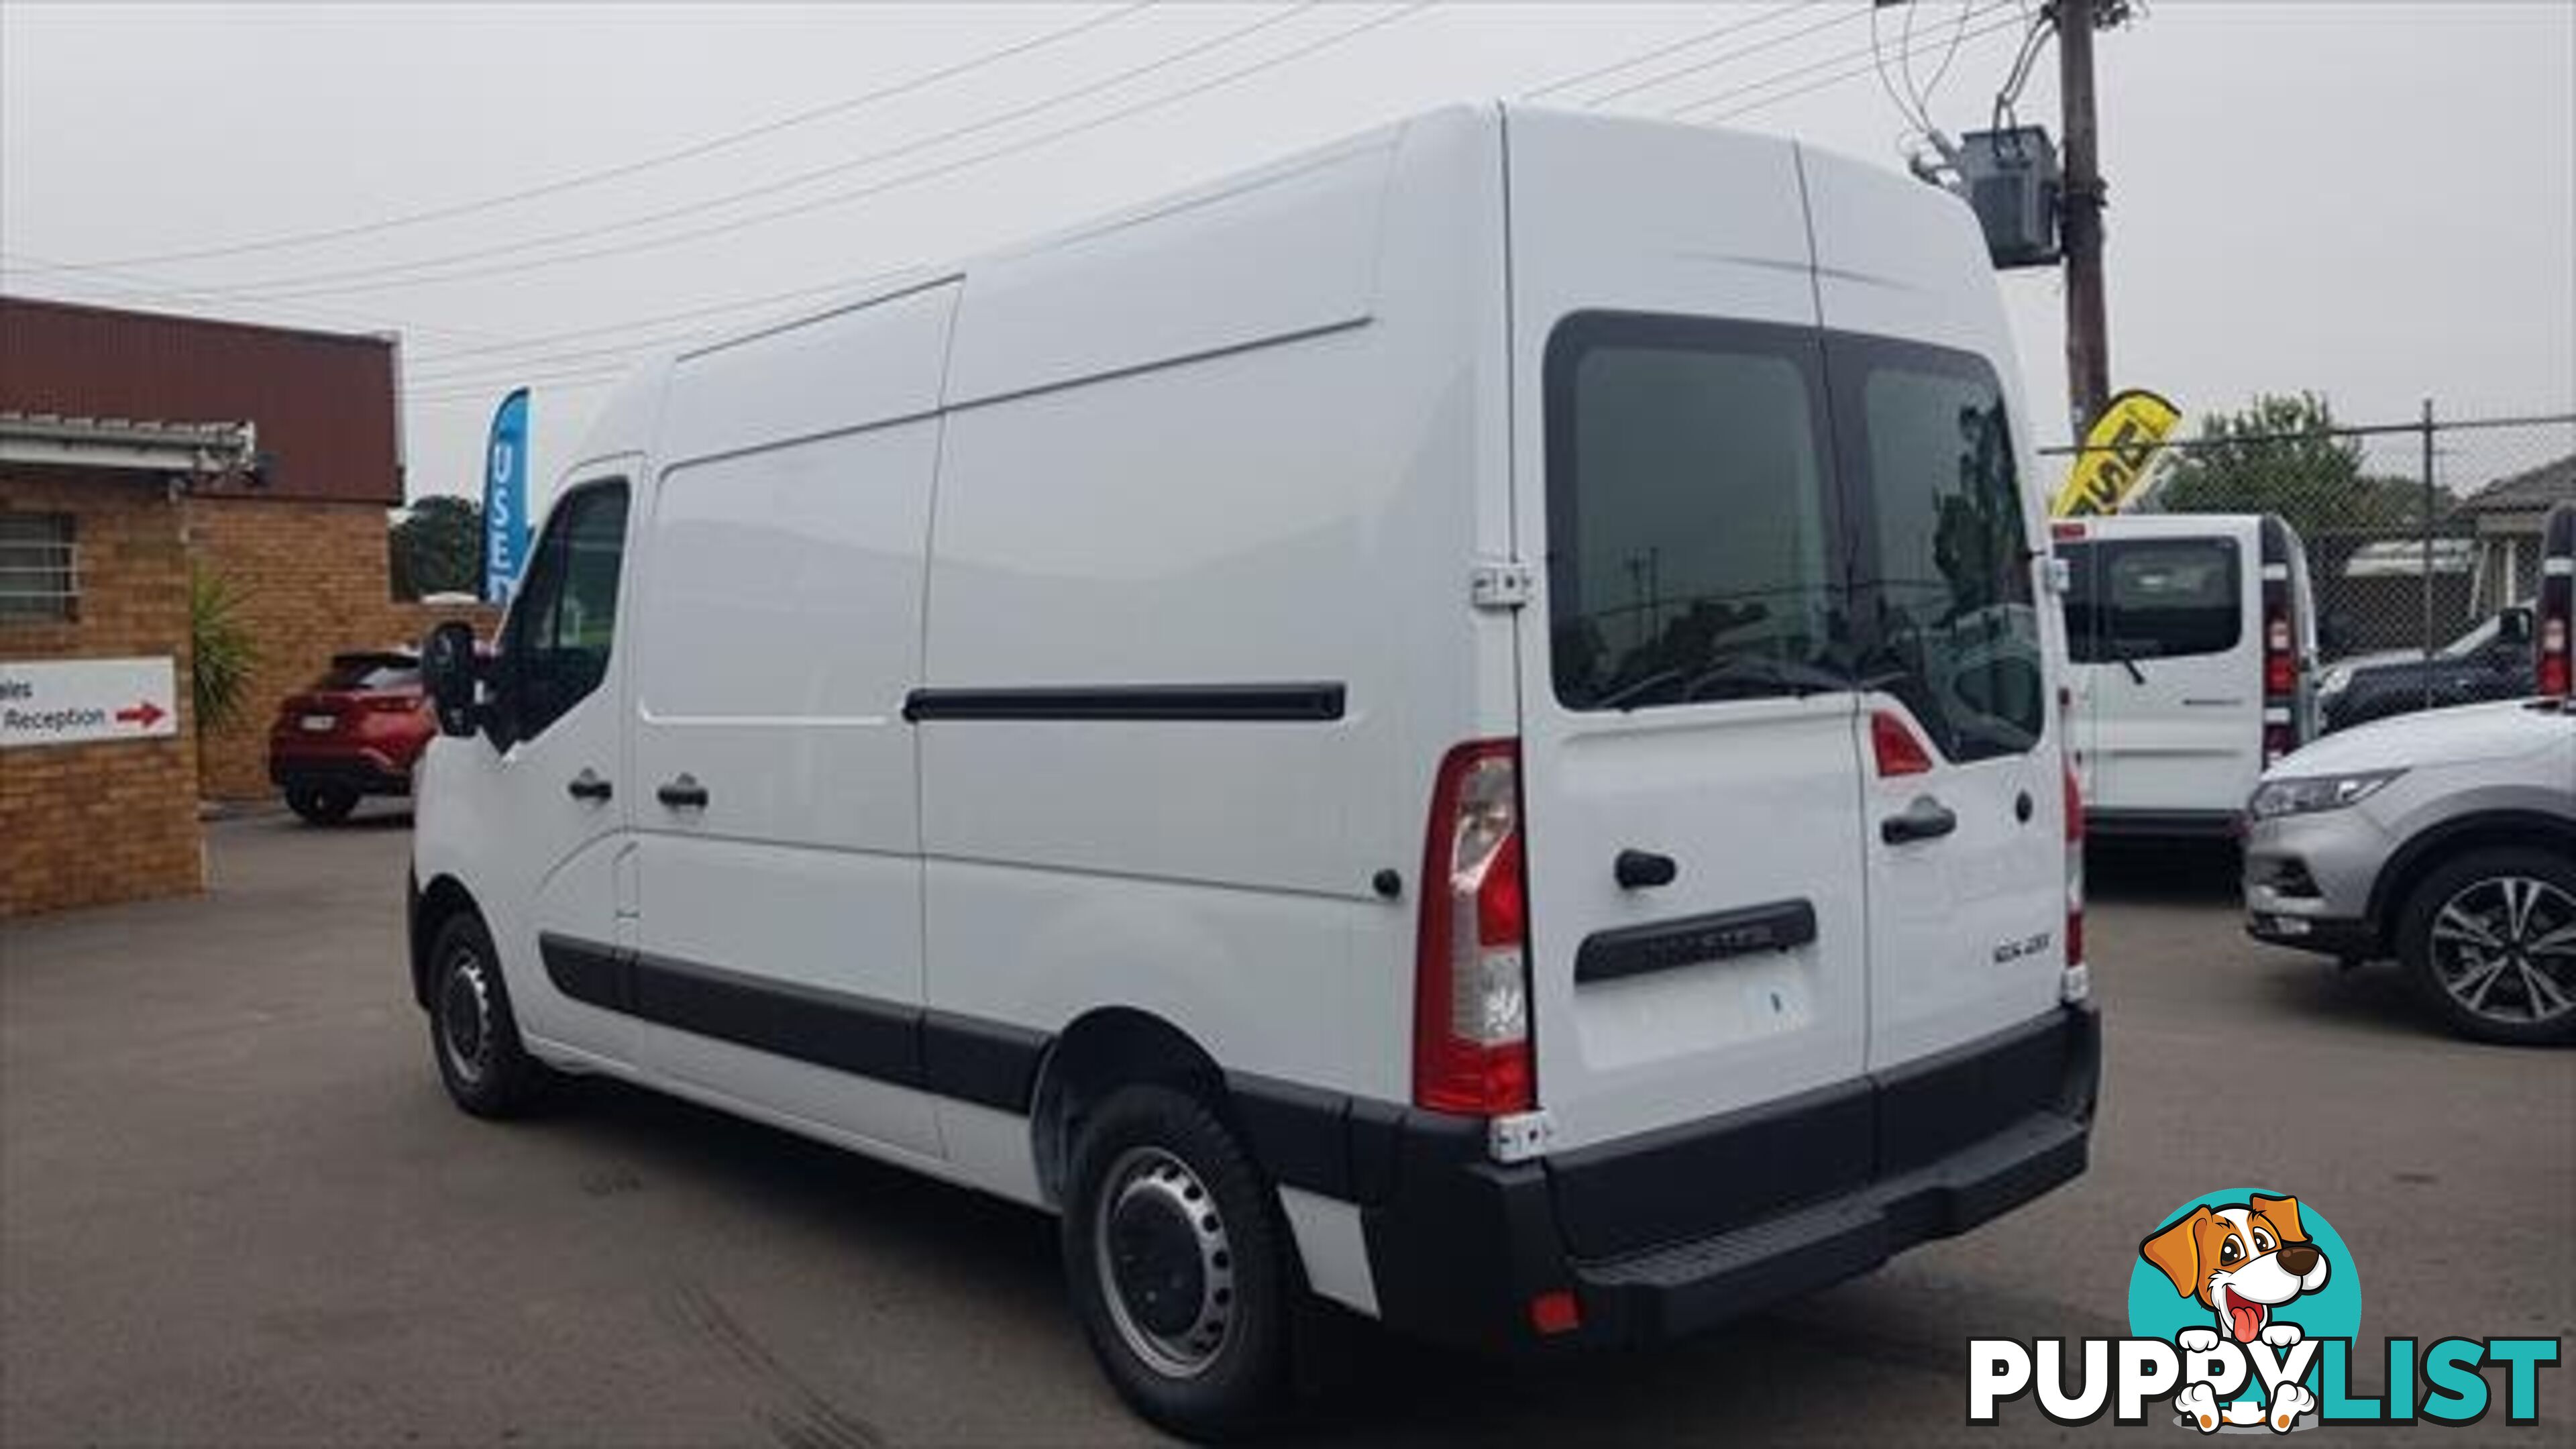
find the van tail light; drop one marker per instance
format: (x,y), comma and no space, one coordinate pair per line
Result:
(2280,661)
(2074,876)
(1471,1013)
(1898,751)
(2555,663)
(2278,740)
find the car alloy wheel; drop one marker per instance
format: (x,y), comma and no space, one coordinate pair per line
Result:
(1163,1252)
(2504,947)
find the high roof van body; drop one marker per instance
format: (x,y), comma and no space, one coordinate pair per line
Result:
(1465,723)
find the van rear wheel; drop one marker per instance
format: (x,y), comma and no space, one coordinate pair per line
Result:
(486,1070)
(1176,1260)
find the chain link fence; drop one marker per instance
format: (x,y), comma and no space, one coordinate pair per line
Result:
(2418,534)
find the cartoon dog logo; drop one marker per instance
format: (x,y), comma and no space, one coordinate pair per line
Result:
(2243,1262)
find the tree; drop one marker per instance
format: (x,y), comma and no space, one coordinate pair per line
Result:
(2283,455)
(438,547)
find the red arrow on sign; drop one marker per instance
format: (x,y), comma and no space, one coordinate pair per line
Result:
(146,714)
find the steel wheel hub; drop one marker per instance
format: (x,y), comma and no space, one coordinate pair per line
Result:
(2505,949)
(1161,1251)
(465,1017)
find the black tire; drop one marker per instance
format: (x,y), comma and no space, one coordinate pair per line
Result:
(321,804)
(1164,1201)
(2437,940)
(472,1033)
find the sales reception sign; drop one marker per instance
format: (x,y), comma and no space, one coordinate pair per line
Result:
(85,701)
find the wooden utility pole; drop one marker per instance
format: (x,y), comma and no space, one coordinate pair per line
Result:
(2088,337)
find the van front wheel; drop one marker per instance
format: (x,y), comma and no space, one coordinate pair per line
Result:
(471,1030)
(1176,1261)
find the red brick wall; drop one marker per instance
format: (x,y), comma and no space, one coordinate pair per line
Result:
(87,824)
(313,580)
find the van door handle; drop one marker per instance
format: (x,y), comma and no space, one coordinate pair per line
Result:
(588,786)
(1638,869)
(684,793)
(1925,819)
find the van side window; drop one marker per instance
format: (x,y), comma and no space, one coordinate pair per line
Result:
(555,651)
(1950,618)
(2152,598)
(1690,513)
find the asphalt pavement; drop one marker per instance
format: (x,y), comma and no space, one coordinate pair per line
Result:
(236,1209)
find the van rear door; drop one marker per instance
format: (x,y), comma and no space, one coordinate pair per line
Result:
(2167,612)
(1676,708)
(1965,797)
(1966,792)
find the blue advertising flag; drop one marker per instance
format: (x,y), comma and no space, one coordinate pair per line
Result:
(505,498)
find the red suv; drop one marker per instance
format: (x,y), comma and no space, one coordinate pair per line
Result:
(355,732)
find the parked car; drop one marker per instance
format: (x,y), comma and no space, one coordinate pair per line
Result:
(2493,661)
(358,730)
(1385,728)
(2446,839)
(2194,640)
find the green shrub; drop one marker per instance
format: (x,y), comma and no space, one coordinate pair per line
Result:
(225,652)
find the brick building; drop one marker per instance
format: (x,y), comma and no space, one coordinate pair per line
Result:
(294,525)
(94,565)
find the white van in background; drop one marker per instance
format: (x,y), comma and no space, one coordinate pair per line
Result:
(2194,647)
(1460,723)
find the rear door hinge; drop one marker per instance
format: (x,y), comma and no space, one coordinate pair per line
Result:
(1501,584)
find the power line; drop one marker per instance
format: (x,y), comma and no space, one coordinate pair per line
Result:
(1866,57)
(1959,35)
(712,309)
(393,273)
(154,291)
(1713,62)
(909,178)
(1659,52)
(1820,83)
(611,173)
(754,303)
(488,347)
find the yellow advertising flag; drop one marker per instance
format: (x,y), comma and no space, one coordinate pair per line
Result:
(2117,454)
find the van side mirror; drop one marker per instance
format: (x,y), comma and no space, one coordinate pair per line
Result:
(2513,627)
(450,674)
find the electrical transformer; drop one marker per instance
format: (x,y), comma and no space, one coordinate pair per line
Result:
(2011,181)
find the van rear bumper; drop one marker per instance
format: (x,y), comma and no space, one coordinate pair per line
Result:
(1656,1237)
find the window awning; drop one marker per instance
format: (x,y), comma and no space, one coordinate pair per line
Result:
(127,445)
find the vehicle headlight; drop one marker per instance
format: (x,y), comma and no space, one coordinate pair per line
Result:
(2317,792)
(2336,680)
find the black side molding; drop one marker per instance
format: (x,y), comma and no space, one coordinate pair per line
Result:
(989,1063)
(1671,945)
(1311,703)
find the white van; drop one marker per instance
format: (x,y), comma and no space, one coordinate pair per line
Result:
(1459,724)
(2194,641)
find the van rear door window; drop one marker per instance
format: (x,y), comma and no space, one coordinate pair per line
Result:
(2152,598)
(1948,619)
(1690,513)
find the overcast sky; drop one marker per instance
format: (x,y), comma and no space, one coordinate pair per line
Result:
(2373,200)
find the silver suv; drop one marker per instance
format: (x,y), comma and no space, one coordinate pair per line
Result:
(2445,839)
